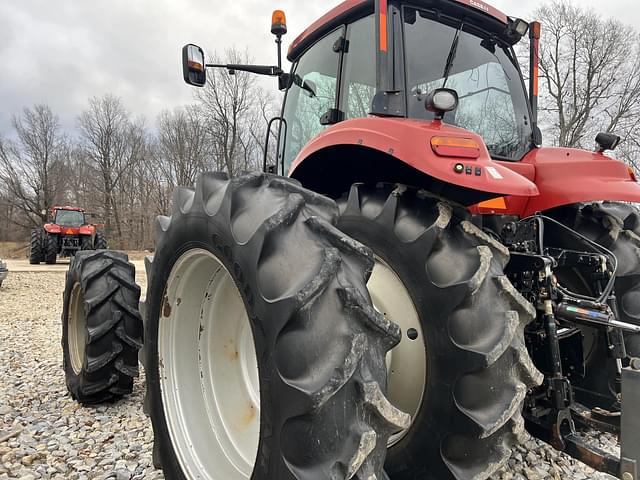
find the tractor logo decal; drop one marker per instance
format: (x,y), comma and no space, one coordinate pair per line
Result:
(480,5)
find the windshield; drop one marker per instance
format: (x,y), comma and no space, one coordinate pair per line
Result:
(492,98)
(69,218)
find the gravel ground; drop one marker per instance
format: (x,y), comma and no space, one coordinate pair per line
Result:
(54,438)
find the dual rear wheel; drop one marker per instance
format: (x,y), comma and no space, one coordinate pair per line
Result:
(43,247)
(266,358)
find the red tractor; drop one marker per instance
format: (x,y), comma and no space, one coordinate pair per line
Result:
(67,233)
(422,282)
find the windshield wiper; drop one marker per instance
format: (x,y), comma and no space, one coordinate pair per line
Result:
(452,54)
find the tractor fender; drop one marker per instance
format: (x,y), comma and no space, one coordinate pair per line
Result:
(566,176)
(408,142)
(86,230)
(52,228)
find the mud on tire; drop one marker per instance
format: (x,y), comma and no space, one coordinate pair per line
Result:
(320,346)
(101,327)
(478,369)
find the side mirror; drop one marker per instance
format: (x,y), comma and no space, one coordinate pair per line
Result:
(193,65)
(607,141)
(441,101)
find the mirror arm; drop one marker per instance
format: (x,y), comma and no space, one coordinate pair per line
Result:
(271,71)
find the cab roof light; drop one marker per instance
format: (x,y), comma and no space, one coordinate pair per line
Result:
(278,23)
(516,29)
(455,147)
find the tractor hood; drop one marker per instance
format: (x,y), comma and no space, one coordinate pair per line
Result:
(565,176)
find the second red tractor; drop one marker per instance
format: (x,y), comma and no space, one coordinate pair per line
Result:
(67,233)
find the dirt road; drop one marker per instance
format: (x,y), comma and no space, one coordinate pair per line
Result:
(62,265)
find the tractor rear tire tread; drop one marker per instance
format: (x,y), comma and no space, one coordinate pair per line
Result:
(258,223)
(481,370)
(114,327)
(50,248)
(100,241)
(36,253)
(86,242)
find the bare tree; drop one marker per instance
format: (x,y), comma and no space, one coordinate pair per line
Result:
(113,144)
(183,145)
(235,110)
(590,70)
(31,168)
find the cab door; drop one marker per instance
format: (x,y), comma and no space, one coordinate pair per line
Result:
(307,111)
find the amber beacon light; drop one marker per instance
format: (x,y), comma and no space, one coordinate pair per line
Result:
(278,23)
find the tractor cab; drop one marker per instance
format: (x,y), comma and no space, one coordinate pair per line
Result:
(69,217)
(372,80)
(430,46)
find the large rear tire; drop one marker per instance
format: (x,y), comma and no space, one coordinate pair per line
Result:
(469,327)
(100,242)
(50,248)
(264,357)
(101,326)
(615,226)
(86,242)
(36,253)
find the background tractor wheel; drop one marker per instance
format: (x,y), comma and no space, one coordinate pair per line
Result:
(257,301)
(461,369)
(615,226)
(101,326)
(50,248)
(36,253)
(86,242)
(100,242)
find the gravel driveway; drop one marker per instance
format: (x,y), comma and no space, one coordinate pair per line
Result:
(51,437)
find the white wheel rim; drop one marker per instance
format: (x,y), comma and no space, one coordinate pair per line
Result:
(407,362)
(76,330)
(208,371)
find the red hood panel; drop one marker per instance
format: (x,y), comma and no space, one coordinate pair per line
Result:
(410,141)
(566,176)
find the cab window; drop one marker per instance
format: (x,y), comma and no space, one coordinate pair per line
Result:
(312,95)
(484,73)
(69,218)
(359,70)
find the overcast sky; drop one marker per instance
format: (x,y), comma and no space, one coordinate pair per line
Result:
(61,52)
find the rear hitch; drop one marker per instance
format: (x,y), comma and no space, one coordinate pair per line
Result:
(555,343)
(596,418)
(558,430)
